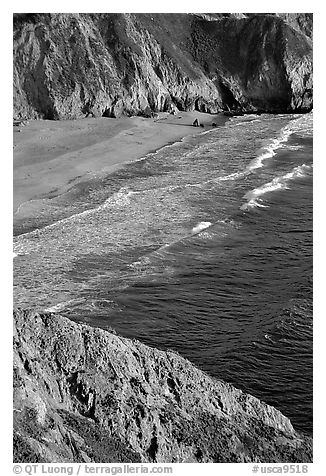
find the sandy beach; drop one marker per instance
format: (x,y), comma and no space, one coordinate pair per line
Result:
(51,156)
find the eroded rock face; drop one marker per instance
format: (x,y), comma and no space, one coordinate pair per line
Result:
(82,394)
(73,65)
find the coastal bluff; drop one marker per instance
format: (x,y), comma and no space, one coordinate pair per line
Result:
(69,66)
(84,394)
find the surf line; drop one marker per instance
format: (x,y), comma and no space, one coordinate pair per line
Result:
(120,198)
(278,183)
(269,150)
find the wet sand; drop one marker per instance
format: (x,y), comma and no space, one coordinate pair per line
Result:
(54,155)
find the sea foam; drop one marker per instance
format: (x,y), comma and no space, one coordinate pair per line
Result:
(278,183)
(62,305)
(201,226)
(120,198)
(269,150)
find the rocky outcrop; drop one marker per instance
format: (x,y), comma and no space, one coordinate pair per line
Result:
(83,394)
(299,21)
(74,65)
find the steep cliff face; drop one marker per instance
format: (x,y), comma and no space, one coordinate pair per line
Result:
(72,65)
(83,394)
(302,22)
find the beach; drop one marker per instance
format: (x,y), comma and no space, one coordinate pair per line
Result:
(51,156)
(181,249)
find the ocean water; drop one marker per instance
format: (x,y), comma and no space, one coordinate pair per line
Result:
(204,247)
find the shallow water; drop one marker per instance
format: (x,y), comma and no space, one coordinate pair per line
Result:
(204,247)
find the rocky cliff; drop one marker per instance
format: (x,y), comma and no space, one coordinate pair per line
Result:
(83,394)
(74,65)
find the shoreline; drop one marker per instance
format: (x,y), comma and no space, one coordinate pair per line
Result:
(50,157)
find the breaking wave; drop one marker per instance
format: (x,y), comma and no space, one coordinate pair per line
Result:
(62,305)
(120,198)
(278,183)
(269,150)
(201,226)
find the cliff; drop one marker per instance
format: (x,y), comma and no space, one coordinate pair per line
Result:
(83,394)
(74,65)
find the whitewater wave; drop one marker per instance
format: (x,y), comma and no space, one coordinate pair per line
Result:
(201,226)
(303,125)
(270,149)
(19,249)
(165,250)
(207,132)
(203,230)
(233,176)
(278,183)
(62,305)
(120,198)
(244,121)
(294,147)
(28,204)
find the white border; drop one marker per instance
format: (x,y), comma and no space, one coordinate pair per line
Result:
(319,204)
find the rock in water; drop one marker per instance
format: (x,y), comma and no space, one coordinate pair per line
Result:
(83,394)
(74,65)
